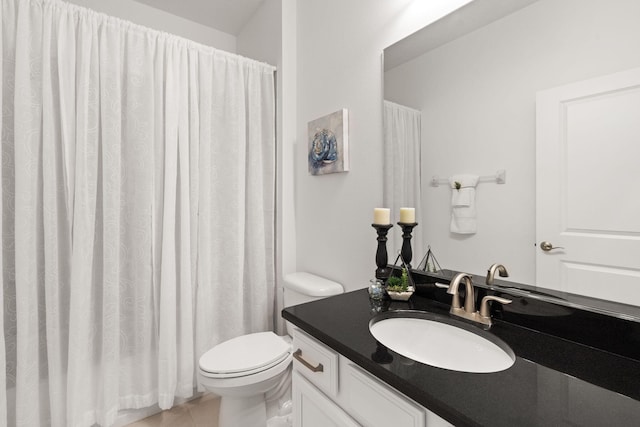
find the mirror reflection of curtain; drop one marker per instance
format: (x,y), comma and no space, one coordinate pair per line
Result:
(402,173)
(137,176)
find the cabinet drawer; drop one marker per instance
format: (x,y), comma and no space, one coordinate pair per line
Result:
(316,362)
(375,404)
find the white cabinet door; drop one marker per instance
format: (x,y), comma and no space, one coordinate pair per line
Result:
(377,405)
(313,409)
(587,178)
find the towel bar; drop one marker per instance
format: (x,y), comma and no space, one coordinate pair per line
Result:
(500,177)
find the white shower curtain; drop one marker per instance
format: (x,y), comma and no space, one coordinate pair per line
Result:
(402,182)
(137,211)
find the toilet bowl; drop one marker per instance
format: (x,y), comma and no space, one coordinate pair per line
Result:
(241,371)
(252,372)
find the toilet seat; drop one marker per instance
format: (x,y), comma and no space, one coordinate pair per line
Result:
(245,355)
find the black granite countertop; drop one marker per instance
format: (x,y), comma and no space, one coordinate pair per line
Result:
(553,382)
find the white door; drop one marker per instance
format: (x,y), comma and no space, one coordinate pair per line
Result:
(588,188)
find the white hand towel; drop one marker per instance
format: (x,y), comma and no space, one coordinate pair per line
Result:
(463,204)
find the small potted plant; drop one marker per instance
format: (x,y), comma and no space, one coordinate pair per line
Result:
(398,287)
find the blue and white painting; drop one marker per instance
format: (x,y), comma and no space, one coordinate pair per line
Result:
(328,144)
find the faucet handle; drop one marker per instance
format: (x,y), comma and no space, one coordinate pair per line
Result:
(484,306)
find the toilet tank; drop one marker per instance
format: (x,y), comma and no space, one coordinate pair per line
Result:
(304,287)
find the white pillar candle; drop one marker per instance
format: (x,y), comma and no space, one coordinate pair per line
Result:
(382,216)
(408,215)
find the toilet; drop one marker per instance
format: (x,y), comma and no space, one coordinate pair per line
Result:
(251,373)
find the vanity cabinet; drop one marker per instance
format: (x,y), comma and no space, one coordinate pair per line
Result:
(311,408)
(330,390)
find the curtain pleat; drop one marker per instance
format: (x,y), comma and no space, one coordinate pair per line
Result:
(29,259)
(137,211)
(57,232)
(8,340)
(402,172)
(3,202)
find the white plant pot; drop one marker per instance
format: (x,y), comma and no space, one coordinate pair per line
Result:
(400,296)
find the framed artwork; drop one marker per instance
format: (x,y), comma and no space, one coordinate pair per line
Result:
(329,144)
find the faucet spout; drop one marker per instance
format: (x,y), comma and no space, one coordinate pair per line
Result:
(501,269)
(469,299)
(469,311)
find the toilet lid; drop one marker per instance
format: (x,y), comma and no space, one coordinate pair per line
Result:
(246,353)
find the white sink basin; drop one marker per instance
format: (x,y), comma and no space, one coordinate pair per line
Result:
(442,342)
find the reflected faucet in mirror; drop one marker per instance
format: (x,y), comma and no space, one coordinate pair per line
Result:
(502,271)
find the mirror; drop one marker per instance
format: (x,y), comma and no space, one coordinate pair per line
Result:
(474,75)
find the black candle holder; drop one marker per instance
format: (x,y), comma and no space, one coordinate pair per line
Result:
(382,272)
(406,251)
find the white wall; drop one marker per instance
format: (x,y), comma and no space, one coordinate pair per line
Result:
(477,95)
(157,19)
(340,45)
(260,38)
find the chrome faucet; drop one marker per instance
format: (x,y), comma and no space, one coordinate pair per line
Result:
(502,271)
(469,311)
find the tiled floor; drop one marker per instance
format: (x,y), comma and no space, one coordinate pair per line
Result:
(200,412)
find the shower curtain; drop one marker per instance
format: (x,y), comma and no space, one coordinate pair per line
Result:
(137,181)
(402,182)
